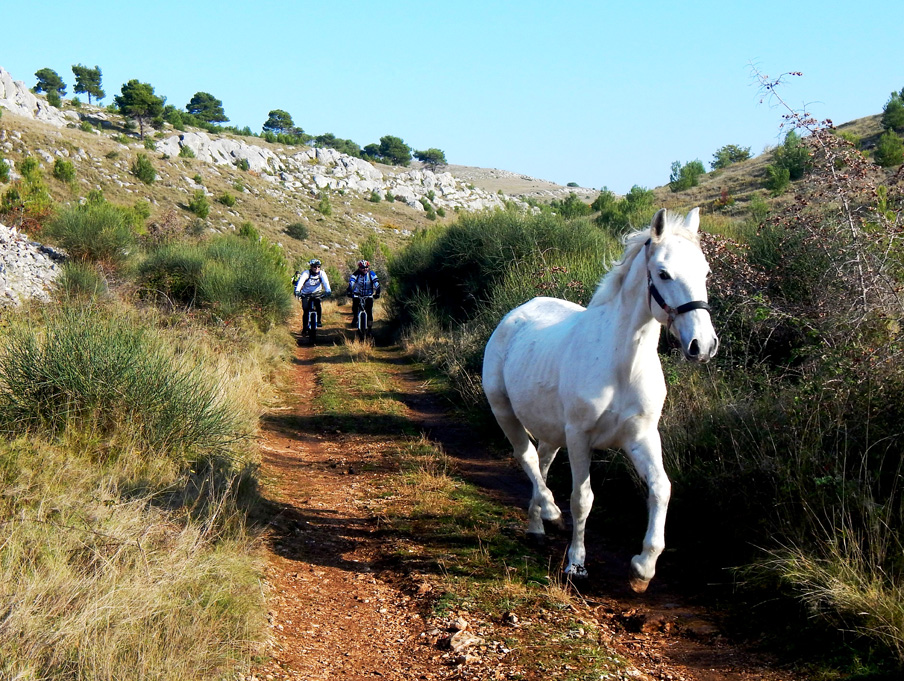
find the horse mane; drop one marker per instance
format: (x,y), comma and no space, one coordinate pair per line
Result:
(613,280)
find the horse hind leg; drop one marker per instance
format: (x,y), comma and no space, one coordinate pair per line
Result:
(537,512)
(542,504)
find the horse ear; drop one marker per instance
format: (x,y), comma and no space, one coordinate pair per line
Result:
(692,220)
(657,227)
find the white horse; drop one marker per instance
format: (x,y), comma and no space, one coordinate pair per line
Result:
(591,378)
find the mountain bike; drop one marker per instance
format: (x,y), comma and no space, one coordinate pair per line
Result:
(311,303)
(365,316)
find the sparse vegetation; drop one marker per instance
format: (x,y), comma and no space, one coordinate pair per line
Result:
(685,176)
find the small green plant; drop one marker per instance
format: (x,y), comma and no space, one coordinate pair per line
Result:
(390,197)
(143,169)
(94,232)
(85,126)
(243,164)
(54,99)
(186,152)
(199,205)
(685,176)
(149,143)
(122,139)
(4,171)
(297,230)
(76,103)
(375,197)
(112,155)
(247,230)
(79,279)
(325,207)
(63,170)
(198,179)
(441,212)
(238,186)
(227,199)
(431,196)
(889,150)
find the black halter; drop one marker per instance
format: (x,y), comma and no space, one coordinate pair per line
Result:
(671,312)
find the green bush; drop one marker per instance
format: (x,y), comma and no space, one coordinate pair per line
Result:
(889,150)
(149,143)
(297,230)
(777,179)
(143,169)
(571,207)
(186,152)
(85,126)
(375,197)
(243,164)
(728,155)
(4,171)
(685,176)
(229,275)
(324,206)
(199,204)
(108,375)
(792,155)
(79,279)
(95,232)
(227,199)
(63,170)
(618,216)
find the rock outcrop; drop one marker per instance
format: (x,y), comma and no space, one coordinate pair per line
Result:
(27,269)
(15,96)
(318,169)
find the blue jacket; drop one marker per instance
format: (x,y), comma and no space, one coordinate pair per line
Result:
(363,284)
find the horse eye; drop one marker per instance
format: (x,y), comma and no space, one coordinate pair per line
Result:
(665,276)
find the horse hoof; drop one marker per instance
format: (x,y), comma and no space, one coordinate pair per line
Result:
(638,585)
(576,572)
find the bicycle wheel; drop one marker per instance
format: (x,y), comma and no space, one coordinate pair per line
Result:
(312,327)
(362,324)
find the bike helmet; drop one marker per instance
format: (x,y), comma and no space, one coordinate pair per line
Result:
(363,264)
(314,263)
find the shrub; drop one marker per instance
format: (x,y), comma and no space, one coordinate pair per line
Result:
(186,152)
(777,179)
(390,197)
(143,169)
(238,186)
(4,171)
(893,112)
(243,164)
(106,374)
(729,154)
(297,230)
(79,279)
(198,204)
(792,155)
(889,150)
(685,176)
(227,199)
(325,207)
(85,126)
(571,207)
(63,170)
(228,275)
(54,99)
(95,232)
(247,230)
(149,143)
(375,197)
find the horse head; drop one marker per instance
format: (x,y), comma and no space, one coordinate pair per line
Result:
(676,279)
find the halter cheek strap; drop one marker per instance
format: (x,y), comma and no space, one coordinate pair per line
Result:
(671,312)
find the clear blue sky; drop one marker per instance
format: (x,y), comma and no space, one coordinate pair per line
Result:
(598,93)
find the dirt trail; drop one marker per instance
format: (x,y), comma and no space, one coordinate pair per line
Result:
(339,610)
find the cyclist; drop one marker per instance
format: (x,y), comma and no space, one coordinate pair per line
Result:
(313,280)
(363,282)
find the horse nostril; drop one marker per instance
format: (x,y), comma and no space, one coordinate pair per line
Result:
(694,348)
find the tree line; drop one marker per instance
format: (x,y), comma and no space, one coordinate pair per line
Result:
(138,102)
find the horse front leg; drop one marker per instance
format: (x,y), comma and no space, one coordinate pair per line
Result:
(646,455)
(581,502)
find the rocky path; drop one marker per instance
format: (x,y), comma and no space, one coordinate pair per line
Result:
(340,610)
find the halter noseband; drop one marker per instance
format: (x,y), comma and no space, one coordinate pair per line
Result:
(671,312)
